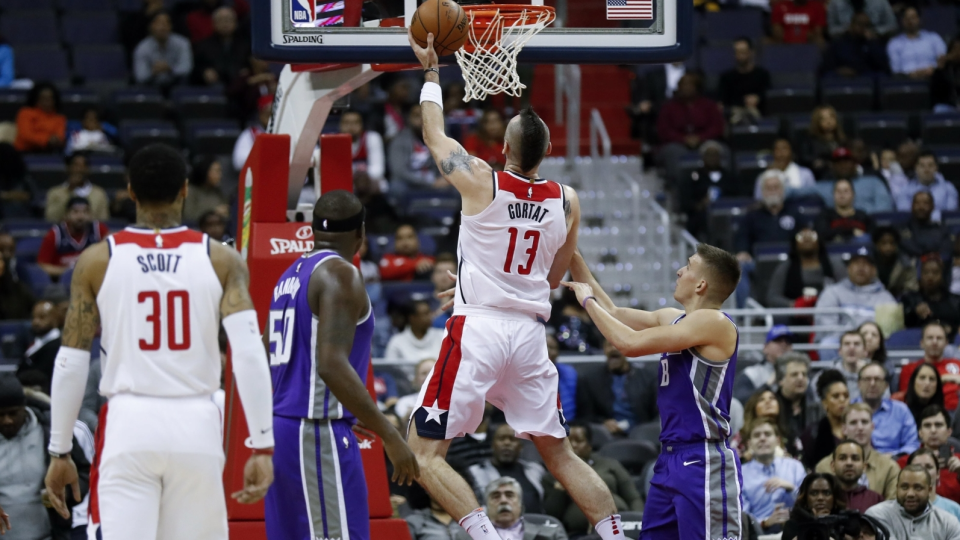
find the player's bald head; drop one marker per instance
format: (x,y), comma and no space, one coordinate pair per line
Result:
(334,206)
(528,138)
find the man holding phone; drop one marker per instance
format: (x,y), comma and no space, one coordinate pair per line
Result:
(934,433)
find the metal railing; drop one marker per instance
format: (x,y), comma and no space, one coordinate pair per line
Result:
(567,85)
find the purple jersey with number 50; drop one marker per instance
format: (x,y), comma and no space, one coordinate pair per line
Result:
(694,396)
(298,392)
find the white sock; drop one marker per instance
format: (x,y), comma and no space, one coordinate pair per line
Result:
(478,526)
(610,528)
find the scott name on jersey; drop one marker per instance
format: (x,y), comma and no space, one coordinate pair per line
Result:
(527,211)
(159,262)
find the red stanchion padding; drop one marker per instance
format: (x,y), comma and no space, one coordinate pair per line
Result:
(249,530)
(375,468)
(336,173)
(392,529)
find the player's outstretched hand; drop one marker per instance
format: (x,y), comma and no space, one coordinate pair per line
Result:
(257,477)
(449,295)
(582,289)
(405,466)
(4,522)
(61,473)
(427,56)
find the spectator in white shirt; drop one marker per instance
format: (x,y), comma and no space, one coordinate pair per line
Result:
(244,144)
(418,340)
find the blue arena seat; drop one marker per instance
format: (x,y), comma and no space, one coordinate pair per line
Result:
(908,338)
(90,27)
(729,25)
(100,62)
(41,62)
(400,292)
(30,26)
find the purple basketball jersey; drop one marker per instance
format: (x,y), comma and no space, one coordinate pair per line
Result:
(694,397)
(298,392)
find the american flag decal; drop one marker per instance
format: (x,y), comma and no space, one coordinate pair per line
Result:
(630,10)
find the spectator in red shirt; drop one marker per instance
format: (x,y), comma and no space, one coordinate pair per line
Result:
(685,122)
(64,242)
(406,263)
(934,431)
(933,343)
(487,142)
(798,21)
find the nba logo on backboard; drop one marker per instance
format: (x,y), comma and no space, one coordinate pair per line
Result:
(302,12)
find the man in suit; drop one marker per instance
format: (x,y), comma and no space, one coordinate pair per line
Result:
(617,395)
(504,506)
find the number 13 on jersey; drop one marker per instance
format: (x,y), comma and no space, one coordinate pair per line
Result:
(533,236)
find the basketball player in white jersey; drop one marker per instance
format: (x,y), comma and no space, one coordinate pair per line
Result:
(517,234)
(159,291)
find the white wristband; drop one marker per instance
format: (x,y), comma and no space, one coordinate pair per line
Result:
(69,383)
(431,92)
(251,372)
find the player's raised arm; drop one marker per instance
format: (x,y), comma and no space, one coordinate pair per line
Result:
(571,213)
(250,369)
(636,319)
(70,373)
(341,300)
(471,176)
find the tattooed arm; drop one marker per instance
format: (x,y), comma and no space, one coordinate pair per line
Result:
(571,210)
(83,317)
(234,277)
(471,176)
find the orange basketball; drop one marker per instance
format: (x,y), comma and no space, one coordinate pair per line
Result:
(446,20)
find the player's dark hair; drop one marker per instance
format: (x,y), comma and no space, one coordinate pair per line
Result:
(933,410)
(336,205)
(827,379)
(723,268)
(157,174)
(863,452)
(533,139)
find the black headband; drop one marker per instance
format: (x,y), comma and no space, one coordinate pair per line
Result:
(351,223)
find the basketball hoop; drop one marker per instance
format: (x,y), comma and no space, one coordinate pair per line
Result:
(497,33)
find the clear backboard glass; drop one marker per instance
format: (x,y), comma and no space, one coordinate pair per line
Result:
(374,31)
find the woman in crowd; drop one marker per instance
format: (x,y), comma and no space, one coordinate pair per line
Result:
(795,177)
(557,501)
(821,438)
(825,136)
(204,193)
(820,495)
(40,126)
(925,389)
(764,403)
(874,339)
(807,267)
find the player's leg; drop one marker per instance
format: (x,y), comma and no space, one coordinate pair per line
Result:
(451,403)
(129,488)
(659,514)
(529,395)
(192,504)
(712,509)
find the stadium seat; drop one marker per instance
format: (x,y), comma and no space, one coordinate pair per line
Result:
(90,27)
(940,19)
(139,104)
(904,95)
(728,25)
(632,454)
(65,279)
(212,137)
(891,219)
(842,250)
(790,100)
(31,26)
(46,170)
(749,165)
(19,5)
(22,227)
(882,130)
(950,218)
(756,137)
(715,60)
(108,174)
(135,134)
(42,63)
(13,339)
(87,5)
(908,338)
(848,96)
(631,521)
(402,292)
(10,102)
(75,101)
(790,58)
(543,520)
(948,161)
(940,129)
(199,103)
(38,279)
(100,62)
(27,248)
(800,79)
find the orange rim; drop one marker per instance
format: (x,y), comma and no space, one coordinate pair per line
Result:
(483,17)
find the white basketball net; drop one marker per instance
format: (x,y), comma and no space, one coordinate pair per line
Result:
(491,68)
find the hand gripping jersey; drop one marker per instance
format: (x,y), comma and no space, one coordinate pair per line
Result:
(694,396)
(506,250)
(297,390)
(160,312)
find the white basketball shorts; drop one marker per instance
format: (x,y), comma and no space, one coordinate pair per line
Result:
(495,356)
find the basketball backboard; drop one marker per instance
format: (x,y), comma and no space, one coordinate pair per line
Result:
(374,31)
